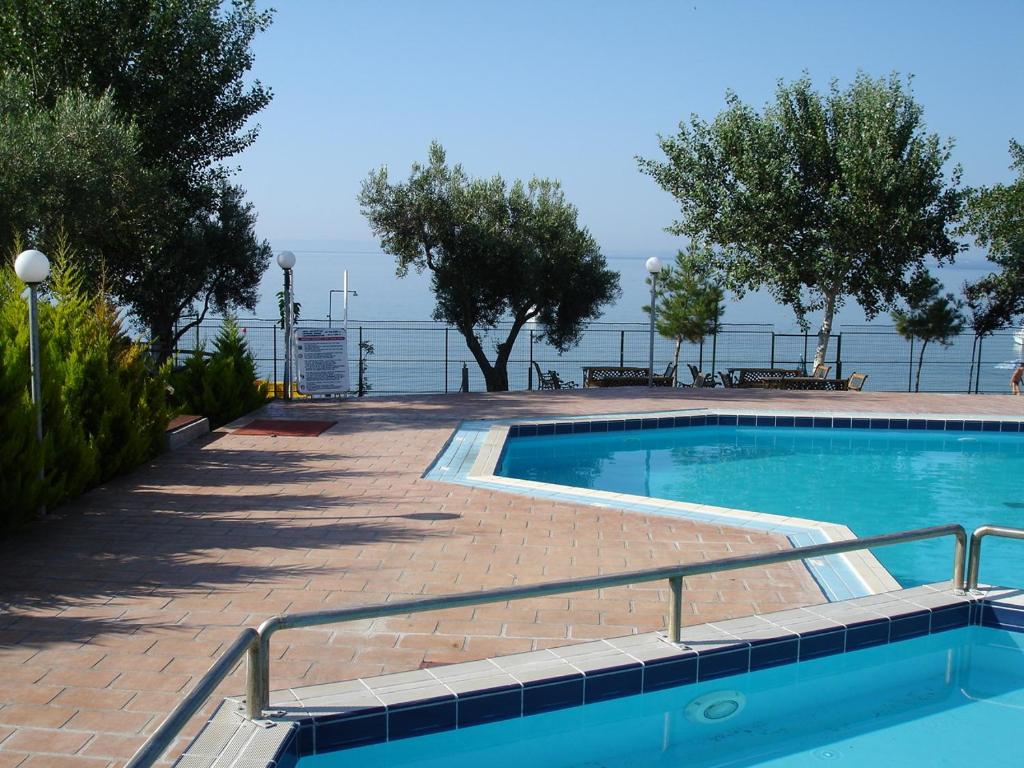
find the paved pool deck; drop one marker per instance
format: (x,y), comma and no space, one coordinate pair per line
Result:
(112,607)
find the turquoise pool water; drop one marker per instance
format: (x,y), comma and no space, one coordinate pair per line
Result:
(950,699)
(874,481)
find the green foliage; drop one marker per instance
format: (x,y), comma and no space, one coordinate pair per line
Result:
(104,411)
(930,316)
(817,198)
(996,219)
(493,251)
(141,102)
(221,385)
(72,169)
(296,309)
(215,264)
(689,302)
(366,350)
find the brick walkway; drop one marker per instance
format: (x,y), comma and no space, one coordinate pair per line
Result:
(113,607)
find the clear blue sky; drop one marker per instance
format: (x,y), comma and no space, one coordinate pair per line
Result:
(574,90)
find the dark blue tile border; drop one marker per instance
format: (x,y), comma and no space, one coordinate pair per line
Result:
(670,673)
(490,707)
(763,420)
(613,685)
(545,697)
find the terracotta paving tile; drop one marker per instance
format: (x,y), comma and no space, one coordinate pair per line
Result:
(118,747)
(105,721)
(93,698)
(34,740)
(20,693)
(65,761)
(11,759)
(35,715)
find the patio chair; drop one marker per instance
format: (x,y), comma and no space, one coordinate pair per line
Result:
(856,381)
(700,379)
(550,380)
(821,371)
(727,381)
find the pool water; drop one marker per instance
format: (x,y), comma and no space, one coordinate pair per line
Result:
(949,699)
(874,481)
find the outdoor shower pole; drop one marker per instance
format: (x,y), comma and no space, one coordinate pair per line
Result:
(653,267)
(286,260)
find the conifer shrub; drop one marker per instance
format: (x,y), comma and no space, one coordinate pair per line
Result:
(220,385)
(104,407)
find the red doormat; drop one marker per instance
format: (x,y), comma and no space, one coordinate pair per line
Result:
(285,427)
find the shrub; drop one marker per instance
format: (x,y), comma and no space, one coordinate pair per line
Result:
(221,385)
(104,409)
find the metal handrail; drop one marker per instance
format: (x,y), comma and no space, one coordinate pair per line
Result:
(163,736)
(974,562)
(258,683)
(255,644)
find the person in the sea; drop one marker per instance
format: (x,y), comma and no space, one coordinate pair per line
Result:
(1015,378)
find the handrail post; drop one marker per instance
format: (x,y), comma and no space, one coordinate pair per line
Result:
(974,559)
(959,556)
(675,608)
(254,681)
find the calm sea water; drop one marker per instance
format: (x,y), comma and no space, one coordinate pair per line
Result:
(944,701)
(874,481)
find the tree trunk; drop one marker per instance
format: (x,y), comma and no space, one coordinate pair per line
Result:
(920,362)
(675,362)
(825,331)
(473,343)
(970,373)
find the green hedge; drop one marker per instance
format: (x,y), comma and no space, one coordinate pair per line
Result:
(221,385)
(104,409)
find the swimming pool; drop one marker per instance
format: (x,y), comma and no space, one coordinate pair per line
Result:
(870,479)
(922,701)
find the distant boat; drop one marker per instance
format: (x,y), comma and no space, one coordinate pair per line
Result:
(1017,346)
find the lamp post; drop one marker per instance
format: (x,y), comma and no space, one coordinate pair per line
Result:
(286,260)
(653,267)
(32,268)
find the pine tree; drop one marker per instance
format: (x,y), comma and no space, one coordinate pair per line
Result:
(689,305)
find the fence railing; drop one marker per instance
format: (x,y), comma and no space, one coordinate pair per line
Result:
(409,357)
(257,645)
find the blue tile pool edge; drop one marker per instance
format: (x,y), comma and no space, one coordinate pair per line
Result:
(585,673)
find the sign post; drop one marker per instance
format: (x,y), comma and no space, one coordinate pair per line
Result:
(321,356)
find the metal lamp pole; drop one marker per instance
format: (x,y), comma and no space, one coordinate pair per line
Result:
(653,267)
(32,268)
(286,260)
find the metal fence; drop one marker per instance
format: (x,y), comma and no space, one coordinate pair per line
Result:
(410,357)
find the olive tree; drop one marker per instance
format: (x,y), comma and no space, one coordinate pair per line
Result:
(818,198)
(494,251)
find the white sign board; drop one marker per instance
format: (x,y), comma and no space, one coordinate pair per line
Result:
(321,358)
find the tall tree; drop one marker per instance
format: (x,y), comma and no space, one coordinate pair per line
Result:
(689,304)
(218,263)
(818,198)
(176,70)
(73,169)
(493,251)
(930,316)
(996,219)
